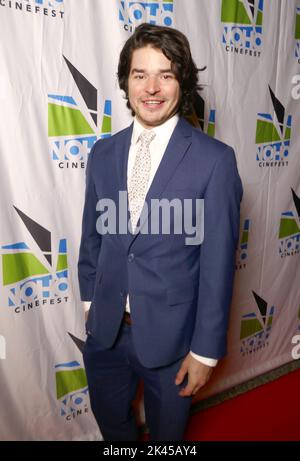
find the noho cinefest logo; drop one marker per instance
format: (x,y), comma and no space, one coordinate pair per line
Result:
(34,278)
(71,389)
(75,125)
(242,250)
(256,327)
(273,135)
(71,386)
(242,32)
(289,230)
(131,14)
(48,8)
(297,34)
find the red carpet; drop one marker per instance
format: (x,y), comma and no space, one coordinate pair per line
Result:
(270,412)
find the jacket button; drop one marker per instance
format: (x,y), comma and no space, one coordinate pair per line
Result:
(130,257)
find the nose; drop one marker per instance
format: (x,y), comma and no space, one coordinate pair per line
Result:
(152,84)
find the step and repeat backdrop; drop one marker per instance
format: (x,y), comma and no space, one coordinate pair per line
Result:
(58,95)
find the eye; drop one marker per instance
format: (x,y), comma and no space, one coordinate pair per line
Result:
(167,76)
(138,76)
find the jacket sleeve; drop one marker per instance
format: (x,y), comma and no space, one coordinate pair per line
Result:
(217,257)
(90,238)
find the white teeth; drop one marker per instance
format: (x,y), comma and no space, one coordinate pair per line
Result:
(152,102)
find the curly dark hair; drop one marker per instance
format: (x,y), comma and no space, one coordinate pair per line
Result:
(175,46)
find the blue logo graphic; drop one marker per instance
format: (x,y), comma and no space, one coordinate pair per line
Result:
(51,3)
(133,13)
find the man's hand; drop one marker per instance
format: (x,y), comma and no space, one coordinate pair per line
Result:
(198,375)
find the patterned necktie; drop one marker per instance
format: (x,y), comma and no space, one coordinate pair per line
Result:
(140,177)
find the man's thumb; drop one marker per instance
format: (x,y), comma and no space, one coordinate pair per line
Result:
(180,375)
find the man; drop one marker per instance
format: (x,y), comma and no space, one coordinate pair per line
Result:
(159,303)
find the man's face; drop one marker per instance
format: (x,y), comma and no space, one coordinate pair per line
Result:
(153,90)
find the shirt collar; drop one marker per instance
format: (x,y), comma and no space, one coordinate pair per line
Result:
(163,132)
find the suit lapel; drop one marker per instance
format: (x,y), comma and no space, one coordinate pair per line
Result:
(121,154)
(175,151)
(121,157)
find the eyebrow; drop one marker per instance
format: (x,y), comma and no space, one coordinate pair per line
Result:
(161,71)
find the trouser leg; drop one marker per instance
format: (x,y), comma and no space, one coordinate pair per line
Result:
(112,387)
(166,412)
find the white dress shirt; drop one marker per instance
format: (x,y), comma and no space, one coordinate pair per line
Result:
(157,148)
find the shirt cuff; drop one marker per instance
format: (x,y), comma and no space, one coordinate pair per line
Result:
(205,360)
(86,305)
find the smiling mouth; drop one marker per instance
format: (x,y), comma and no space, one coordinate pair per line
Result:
(152,103)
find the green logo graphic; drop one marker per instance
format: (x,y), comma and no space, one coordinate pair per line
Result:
(241,12)
(68,381)
(297,34)
(297,24)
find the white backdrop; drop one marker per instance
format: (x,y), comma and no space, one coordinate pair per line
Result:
(58,94)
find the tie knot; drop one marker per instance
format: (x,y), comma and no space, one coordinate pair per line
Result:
(146,137)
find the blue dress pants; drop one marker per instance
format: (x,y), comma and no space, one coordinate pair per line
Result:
(113,376)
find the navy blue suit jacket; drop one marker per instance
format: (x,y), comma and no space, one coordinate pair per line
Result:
(179,294)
